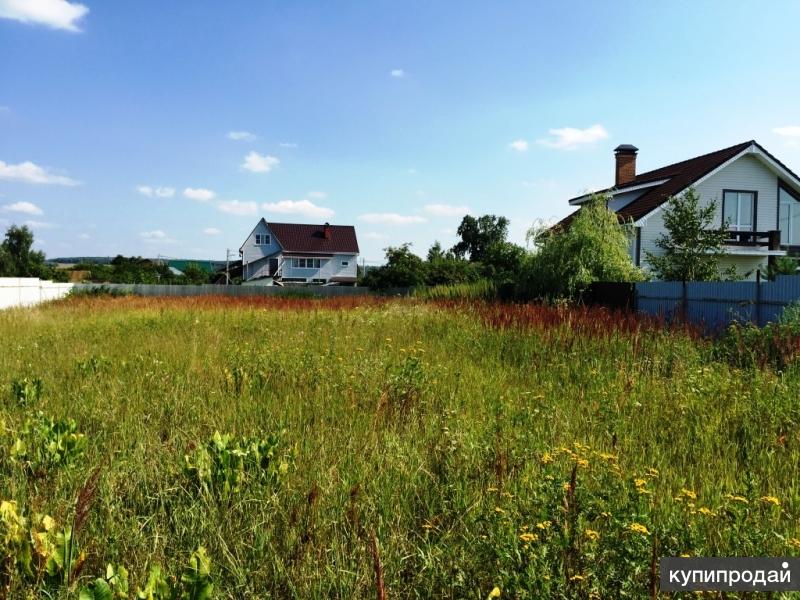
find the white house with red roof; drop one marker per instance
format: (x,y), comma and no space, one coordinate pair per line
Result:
(757,201)
(281,253)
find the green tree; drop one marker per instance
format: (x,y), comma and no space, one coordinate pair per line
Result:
(691,247)
(594,247)
(478,235)
(17,257)
(193,274)
(403,268)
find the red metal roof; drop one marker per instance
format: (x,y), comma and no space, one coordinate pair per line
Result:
(297,237)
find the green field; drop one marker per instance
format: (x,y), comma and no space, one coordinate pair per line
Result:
(422,450)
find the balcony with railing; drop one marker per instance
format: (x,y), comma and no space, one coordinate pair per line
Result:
(758,243)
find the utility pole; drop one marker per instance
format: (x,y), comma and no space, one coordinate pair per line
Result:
(227,266)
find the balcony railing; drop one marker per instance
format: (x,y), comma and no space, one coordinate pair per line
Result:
(770,240)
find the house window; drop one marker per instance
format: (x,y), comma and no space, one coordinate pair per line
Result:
(788,217)
(739,210)
(262,239)
(307,263)
(345,263)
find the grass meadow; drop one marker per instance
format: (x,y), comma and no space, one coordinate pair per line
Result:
(363,448)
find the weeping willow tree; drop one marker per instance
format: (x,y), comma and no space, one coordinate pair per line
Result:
(594,247)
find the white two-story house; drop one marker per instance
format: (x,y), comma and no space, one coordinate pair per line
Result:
(754,193)
(278,253)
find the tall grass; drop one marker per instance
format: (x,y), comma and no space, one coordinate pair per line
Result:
(542,451)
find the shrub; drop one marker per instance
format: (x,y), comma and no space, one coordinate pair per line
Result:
(776,345)
(224,465)
(46,443)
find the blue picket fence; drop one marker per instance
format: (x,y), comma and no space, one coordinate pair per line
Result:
(715,304)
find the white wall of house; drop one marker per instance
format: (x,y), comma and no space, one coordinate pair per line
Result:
(252,252)
(329,267)
(747,173)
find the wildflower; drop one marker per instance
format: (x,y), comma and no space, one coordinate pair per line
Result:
(547,458)
(577,578)
(688,494)
(582,463)
(544,525)
(652,472)
(640,482)
(740,499)
(638,528)
(499,510)
(771,500)
(495,593)
(491,489)
(706,511)
(528,537)
(592,535)
(794,543)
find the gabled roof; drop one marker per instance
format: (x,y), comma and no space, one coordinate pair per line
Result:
(677,177)
(297,237)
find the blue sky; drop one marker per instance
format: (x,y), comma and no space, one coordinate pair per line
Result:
(118,119)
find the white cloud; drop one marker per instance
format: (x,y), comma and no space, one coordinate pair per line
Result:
(788,131)
(29,172)
(298,207)
(374,235)
(519,145)
(157,236)
(28,208)
(397,73)
(155,191)
(446,210)
(56,14)
(392,218)
(211,231)
(288,145)
(569,138)
(240,208)
(199,194)
(317,195)
(258,163)
(241,136)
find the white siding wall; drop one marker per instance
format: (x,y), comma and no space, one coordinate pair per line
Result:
(28,291)
(329,267)
(747,173)
(251,252)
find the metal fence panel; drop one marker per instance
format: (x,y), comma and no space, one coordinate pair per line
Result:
(716,304)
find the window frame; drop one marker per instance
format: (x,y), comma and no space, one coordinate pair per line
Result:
(266,239)
(345,263)
(316,263)
(796,197)
(736,226)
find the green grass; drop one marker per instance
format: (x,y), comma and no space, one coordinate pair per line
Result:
(451,439)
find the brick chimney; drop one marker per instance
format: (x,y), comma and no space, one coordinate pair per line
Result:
(326,231)
(626,164)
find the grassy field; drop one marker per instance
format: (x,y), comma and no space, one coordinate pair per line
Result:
(415,449)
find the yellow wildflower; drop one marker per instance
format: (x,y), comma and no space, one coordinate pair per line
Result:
(547,458)
(499,510)
(688,494)
(740,499)
(706,511)
(577,578)
(544,525)
(582,463)
(639,482)
(638,528)
(592,535)
(495,593)
(528,537)
(794,543)
(652,472)
(771,500)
